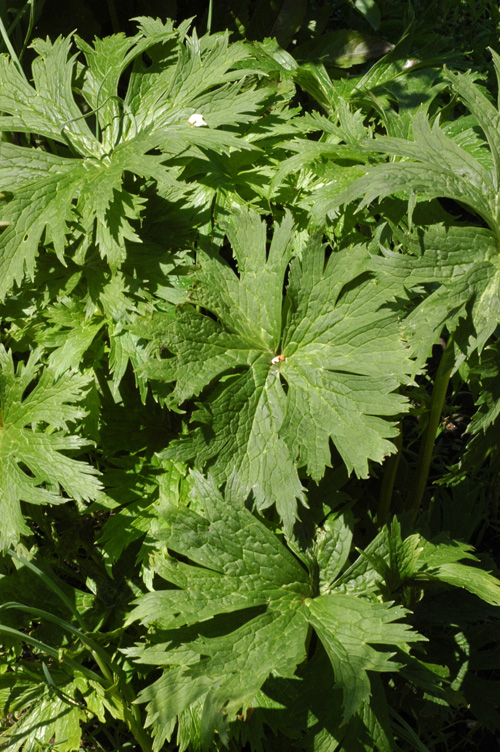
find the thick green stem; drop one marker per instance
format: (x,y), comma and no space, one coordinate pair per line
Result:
(387,488)
(134,722)
(429,436)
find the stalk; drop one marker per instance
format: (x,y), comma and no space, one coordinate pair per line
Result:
(31,24)
(429,436)
(209,17)
(113,684)
(134,722)
(387,488)
(10,48)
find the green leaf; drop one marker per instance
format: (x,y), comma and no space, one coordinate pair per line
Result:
(34,434)
(438,167)
(48,717)
(394,558)
(204,541)
(240,612)
(441,559)
(473,579)
(484,111)
(444,162)
(489,399)
(374,717)
(79,192)
(466,284)
(332,547)
(369,9)
(235,563)
(343,48)
(391,560)
(388,74)
(284,375)
(71,335)
(309,152)
(47,108)
(335,338)
(348,627)
(288,21)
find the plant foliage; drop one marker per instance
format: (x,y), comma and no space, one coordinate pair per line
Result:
(249,404)
(320,363)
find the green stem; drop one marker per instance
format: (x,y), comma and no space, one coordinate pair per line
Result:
(429,436)
(209,17)
(387,488)
(114,684)
(29,32)
(10,48)
(136,726)
(50,583)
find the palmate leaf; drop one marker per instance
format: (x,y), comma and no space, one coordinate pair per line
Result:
(462,260)
(284,375)
(82,194)
(241,612)
(231,635)
(443,161)
(34,436)
(391,560)
(434,165)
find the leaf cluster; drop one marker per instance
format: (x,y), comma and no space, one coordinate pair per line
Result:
(249,304)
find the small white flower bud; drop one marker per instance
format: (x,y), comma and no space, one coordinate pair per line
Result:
(197,120)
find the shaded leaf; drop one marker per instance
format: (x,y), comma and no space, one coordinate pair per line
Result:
(34,436)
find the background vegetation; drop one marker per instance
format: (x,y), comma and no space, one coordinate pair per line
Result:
(204,544)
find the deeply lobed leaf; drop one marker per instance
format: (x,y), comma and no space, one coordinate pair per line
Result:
(240,612)
(34,436)
(285,374)
(86,192)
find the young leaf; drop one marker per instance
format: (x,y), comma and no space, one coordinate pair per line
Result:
(391,560)
(332,547)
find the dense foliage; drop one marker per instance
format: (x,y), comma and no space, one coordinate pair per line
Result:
(249,362)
